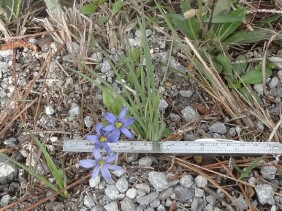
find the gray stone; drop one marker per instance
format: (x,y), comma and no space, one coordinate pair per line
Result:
(158,180)
(232,132)
(186,93)
(10,142)
(49,110)
(134,42)
(122,185)
(140,193)
(201,181)
(280,74)
(209,207)
(197,204)
(273,82)
(127,205)
(241,201)
(174,117)
(94,182)
(265,194)
(72,47)
(211,199)
(112,192)
(218,127)
(96,208)
(186,181)
(146,188)
(88,122)
(273,208)
(199,192)
(97,57)
(111,206)
(106,67)
(119,173)
(259,88)
(145,200)
(88,202)
(268,172)
(183,194)
(6,53)
(131,193)
(189,113)
(162,105)
(161,208)
(5,200)
(166,194)
(145,161)
(155,203)
(75,110)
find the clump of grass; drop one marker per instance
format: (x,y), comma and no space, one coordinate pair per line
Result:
(139,92)
(57,173)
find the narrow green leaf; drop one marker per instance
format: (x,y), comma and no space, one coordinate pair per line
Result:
(226,63)
(255,75)
(228,28)
(249,95)
(243,37)
(270,19)
(241,65)
(249,169)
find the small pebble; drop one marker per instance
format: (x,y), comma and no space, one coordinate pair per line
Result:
(145,162)
(49,110)
(273,82)
(189,114)
(218,127)
(131,193)
(265,194)
(201,181)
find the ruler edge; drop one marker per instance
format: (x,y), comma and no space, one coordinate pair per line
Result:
(208,140)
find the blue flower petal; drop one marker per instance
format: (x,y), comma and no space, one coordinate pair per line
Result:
(127,121)
(122,113)
(88,163)
(99,127)
(106,173)
(95,172)
(109,128)
(126,132)
(113,167)
(115,136)
(92,138)
(110,158)
(97,154)
(110,117)
(107,148)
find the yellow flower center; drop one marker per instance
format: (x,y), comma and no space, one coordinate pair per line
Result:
(118,125)
(103,139)
(101,162)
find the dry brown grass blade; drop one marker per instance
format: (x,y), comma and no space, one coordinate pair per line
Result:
(195,168)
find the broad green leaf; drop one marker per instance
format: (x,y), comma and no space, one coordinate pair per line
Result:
(112,102)
(189,27)
(226,63)
(221,6)
(102,20)
(185,5)
(225,19)
(241,65)
(88,9)
(228,28)
(249,95)
(255,75)
(233,84)
(217,66)
(116,7)
(243,37)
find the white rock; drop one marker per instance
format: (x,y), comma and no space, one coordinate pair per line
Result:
(273,83)
(131,193)
(94,182)
(49,110)
(201,181)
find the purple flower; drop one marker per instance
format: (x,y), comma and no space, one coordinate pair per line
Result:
(118,124)
(100,164)
(102,138)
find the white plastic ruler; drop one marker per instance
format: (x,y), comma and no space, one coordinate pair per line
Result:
(199,146)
